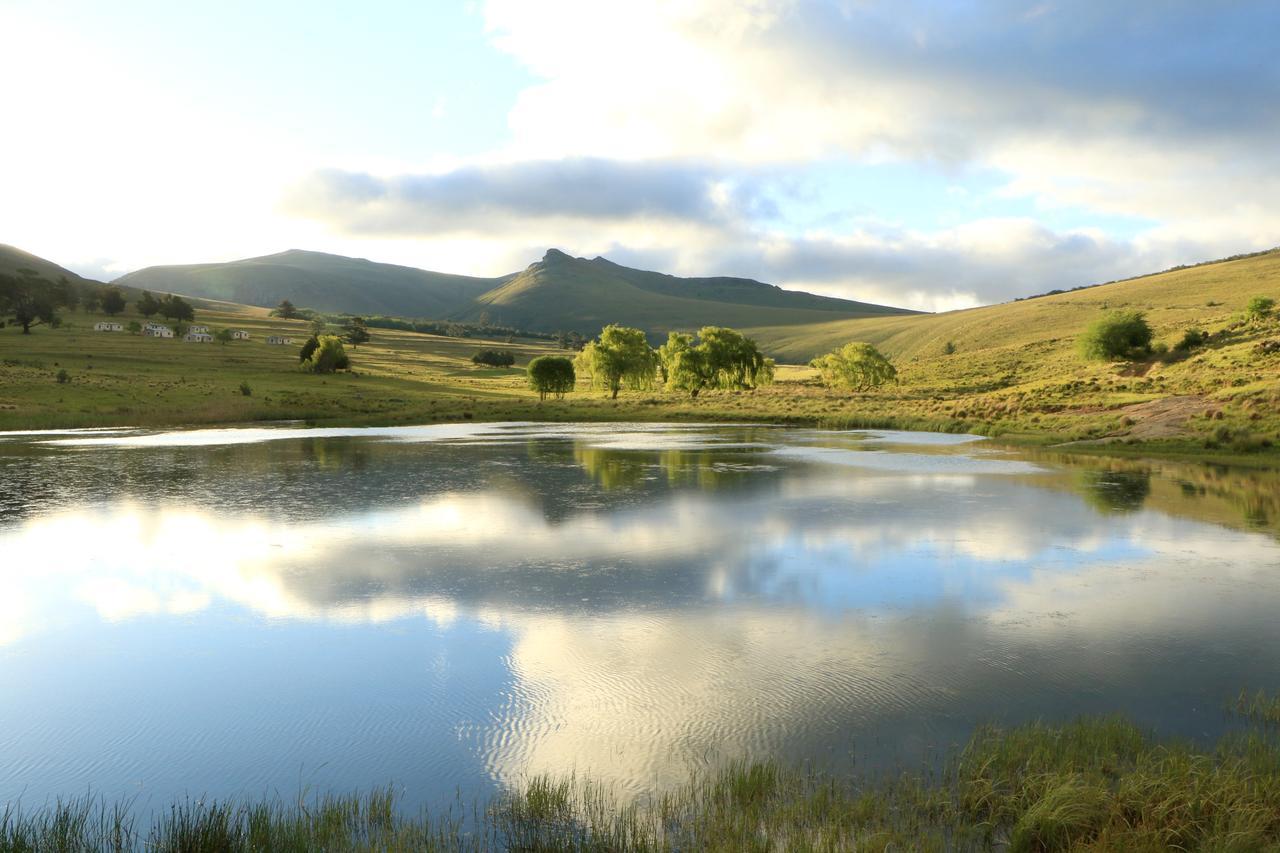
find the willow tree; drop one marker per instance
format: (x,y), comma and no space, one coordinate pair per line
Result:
(620,356)
(717,358)
(857,366)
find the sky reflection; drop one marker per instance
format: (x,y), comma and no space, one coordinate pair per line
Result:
(531,599)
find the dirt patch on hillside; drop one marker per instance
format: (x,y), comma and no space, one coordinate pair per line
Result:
(1155,419)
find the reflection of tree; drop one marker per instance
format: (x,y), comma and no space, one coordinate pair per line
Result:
(612,469)
(1116,491)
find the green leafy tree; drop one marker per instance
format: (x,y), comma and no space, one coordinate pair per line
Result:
(329,355)
(551,374)
(717,358)
(620,356)
(356,331)
(308,348)
(147,305)
(29,300)
(67,294)
(494,358)
(857,366)
(286,310)
(113,301)
(1259,307)
(176,308)
(1116,336)
(134,327)
(223,336)
(91,299)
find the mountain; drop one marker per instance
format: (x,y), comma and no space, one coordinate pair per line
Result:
(13,259)
(557,292)
(320,281)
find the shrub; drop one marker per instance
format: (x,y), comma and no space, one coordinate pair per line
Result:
(245,390)
(63,376)
(551,374)
(494,358)
(1191,339)
(1259,307)
(329,355)
(1116,336)
(309,348)
(949,348)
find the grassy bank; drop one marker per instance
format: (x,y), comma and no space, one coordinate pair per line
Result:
(1094,784)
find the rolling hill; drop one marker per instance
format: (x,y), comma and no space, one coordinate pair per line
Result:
(559,292)
(13,259)
(1040,328)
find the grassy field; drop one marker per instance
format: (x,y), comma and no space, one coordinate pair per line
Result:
(1015,373)
(1099,784)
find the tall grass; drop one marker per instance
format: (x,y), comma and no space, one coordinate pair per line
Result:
(1094,784)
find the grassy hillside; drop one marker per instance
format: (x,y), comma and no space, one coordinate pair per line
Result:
(320,281)
(560,292)
(13,259)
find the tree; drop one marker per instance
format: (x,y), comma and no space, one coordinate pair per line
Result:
(494,358)
(147,305)
(857,366)
(29,300)
(717,358)
(551,374)
(286,310)
(308,348)
(113,301)
(134,327)
(1115,336)
(357,331)
(223,336)
(329,355)
(1259,307)
(177,308)
(620,355)
(91,298)
(67,293)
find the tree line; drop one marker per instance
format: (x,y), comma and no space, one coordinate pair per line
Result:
(29,299)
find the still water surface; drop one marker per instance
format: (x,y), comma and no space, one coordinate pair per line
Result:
(453,608)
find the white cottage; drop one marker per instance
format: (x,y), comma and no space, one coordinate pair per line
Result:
(240,335)
(156,330)
(198,338)
(199,330)
(108,327)
(279,340)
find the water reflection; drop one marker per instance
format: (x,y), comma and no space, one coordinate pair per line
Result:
(466,608)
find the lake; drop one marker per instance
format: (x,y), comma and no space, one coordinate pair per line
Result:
(453,608)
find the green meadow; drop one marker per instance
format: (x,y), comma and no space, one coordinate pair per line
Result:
(1012,371)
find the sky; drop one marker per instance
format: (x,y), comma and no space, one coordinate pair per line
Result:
(930,155)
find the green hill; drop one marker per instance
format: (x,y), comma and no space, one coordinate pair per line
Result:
(1044,328)
(558,292)
(13,259)
(320,281)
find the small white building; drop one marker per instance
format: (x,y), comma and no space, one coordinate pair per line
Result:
(199,330)
(156,330)
(279,340)
(239,335)
(198,338)
(108,327)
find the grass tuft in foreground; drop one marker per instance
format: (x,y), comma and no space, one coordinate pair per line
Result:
(1094,784)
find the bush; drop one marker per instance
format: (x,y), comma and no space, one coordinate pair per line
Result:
(551,374)
(1259,307)
(63,376)
(329,355)
(245,390)
(1117,336)
(309,348)
(1191,339)
(494,358)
